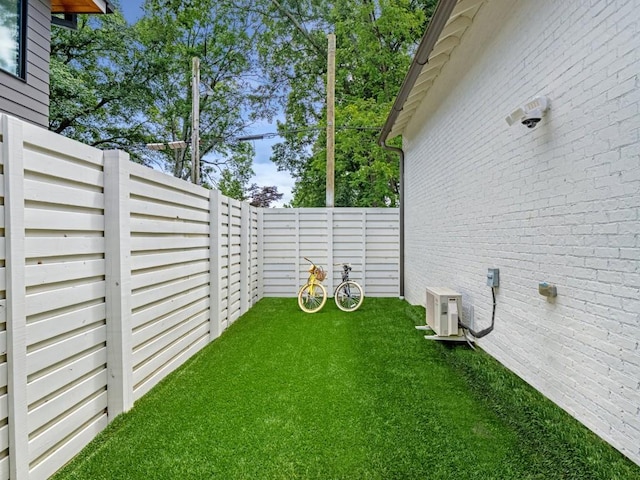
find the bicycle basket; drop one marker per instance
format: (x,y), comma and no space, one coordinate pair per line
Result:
(320,274)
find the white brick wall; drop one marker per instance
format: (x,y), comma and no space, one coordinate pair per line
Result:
(560,203)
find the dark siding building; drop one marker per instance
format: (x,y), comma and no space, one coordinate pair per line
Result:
(26,95)
(24,70)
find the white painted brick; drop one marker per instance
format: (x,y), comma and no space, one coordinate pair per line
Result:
(631,279)
(558,203)
(624,380)
(631,305)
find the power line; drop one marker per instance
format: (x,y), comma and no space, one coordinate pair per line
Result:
(257,136)
(262,136)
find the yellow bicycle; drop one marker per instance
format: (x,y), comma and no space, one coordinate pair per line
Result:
(313,295)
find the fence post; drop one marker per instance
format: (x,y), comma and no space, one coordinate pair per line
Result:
(118,279)
(260,253)
(245,254)
(364,249)
(16,320)
(330,251)
(297,279)
(228,320)
(215,329)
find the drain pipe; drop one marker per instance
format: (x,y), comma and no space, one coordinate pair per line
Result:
(437,23)
(400,153)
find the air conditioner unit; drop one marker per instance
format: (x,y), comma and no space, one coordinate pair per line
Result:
(443,308)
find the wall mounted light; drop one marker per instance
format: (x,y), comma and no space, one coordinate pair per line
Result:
(530,113)
(547,289)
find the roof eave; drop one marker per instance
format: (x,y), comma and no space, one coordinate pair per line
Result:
(431,36)
(81,6)
(449,22)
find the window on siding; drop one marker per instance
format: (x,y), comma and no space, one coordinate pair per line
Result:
(12,36)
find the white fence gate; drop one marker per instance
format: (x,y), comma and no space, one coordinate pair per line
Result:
(112,275)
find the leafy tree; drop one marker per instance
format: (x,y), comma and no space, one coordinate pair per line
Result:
(263,196)
(233,183)
(375,40)
(115,85)
(99,84)
(174,32)
(119,86)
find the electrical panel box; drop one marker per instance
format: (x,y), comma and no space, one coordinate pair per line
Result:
(493,277)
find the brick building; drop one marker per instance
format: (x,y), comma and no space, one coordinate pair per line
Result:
(557,203)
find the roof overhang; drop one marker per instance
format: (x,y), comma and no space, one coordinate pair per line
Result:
(81,6)
(447,25)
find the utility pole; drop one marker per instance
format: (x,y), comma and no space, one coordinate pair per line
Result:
(195,120)
(331,129)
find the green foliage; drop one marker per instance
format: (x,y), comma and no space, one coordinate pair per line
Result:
(99,83)
(284,394)
(119,85)
(115,85)
(366,176)
(174,33)
(375,40)
(233,181)
(230,186)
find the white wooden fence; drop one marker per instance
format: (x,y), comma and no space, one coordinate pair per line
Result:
(112,275)
(368,238)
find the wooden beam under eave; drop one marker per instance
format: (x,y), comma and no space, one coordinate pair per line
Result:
(80,6)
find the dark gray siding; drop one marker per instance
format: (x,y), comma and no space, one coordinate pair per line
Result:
(30,100)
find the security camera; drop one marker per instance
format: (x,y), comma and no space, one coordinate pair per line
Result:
(532,118)
(529,114)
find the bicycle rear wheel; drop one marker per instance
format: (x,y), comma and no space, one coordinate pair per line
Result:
(312,297)
(349,296)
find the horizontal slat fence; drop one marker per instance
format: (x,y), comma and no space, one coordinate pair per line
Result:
(112,275)
(170,273)
(367,238)
(55,261)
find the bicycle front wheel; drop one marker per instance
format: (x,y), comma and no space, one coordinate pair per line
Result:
(349,296)
(312,297)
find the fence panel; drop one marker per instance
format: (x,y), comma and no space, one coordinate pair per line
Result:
(349,244)
(224,255)
(169,228)
(235,259)
(280,252)
(382,253)
(64,280)
(368,238)
(254,257)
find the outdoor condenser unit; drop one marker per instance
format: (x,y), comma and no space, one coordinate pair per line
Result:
(443,309)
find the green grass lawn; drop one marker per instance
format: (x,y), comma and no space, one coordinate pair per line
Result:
(333,395)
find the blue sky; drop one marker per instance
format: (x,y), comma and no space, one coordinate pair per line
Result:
(266,173)
(131,9)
